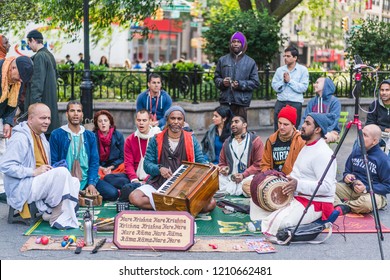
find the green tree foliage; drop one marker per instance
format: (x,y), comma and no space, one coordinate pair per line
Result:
(371,42)
(67,15)
(324,27)
(260,29)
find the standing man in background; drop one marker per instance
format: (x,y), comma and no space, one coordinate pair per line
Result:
(290,83)
(155,100)
(236,76)
(43,87)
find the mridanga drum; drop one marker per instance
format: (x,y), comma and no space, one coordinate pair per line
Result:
(266,190)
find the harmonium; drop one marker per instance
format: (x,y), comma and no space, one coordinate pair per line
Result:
(190,188)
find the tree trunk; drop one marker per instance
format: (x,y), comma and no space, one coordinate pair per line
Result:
(277,8)
(245,5)
(284,8)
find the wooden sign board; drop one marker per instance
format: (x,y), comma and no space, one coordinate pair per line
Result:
(157,230)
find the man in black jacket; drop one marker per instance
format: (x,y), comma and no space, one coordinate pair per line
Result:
(379,110)
(43,87)
(236,76)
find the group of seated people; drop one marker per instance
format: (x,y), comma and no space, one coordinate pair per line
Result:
(133,169)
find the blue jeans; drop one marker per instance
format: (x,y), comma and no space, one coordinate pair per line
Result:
(117,180)
(107,191)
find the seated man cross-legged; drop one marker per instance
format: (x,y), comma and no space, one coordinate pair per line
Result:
(72,141)
(240,157)
(164,155)
(29,177)
(303,180)
(283,146)
(352,194)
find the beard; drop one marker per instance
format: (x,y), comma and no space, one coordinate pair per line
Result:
(306,136)
(175,128)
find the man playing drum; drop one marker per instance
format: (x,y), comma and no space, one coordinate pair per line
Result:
(282,147)
(303,180)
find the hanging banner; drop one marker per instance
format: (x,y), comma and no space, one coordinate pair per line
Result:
(368,4)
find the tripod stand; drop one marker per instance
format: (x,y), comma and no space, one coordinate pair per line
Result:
(358,75)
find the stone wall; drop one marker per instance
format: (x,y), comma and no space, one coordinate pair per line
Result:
(260,114)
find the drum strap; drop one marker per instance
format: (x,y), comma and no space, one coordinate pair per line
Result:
(317,195)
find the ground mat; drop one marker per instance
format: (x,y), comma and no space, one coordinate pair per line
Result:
(217,223)
(202,244)
(356,223)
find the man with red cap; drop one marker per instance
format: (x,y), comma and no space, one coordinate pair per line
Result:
(283,146)
(236,76)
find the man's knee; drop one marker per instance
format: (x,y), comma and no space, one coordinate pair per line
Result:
(135,197)
(365,205)
(60,172)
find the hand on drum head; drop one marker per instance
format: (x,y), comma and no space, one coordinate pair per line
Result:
(290,187)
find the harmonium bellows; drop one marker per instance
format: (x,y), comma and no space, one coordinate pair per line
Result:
(190,188)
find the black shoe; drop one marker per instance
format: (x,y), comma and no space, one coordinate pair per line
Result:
(3,197)
(343,209)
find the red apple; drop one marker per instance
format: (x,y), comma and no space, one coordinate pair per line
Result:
(44,240)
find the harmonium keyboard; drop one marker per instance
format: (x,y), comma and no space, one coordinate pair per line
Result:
(190,188)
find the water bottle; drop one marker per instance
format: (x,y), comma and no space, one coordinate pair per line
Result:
(94,232)
(88,233)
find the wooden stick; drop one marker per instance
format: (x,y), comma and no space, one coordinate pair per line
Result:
(106,221)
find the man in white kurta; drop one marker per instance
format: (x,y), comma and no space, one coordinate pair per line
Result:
(303,180)
(29,177)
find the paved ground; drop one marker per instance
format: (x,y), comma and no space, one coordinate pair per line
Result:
(354,247)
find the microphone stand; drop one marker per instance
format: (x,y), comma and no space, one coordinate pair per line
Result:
(358,123)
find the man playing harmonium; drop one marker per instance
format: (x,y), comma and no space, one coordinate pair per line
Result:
(164,155)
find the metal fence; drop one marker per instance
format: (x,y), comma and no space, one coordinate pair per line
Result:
(193,86)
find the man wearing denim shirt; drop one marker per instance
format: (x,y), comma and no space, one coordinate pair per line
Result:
(290,83)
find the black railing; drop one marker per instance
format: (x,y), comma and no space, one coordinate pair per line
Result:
(192,86)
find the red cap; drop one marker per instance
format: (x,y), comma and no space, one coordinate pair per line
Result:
(289,113)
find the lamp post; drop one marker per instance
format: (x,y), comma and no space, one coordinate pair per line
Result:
(86,85)
(298,29)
